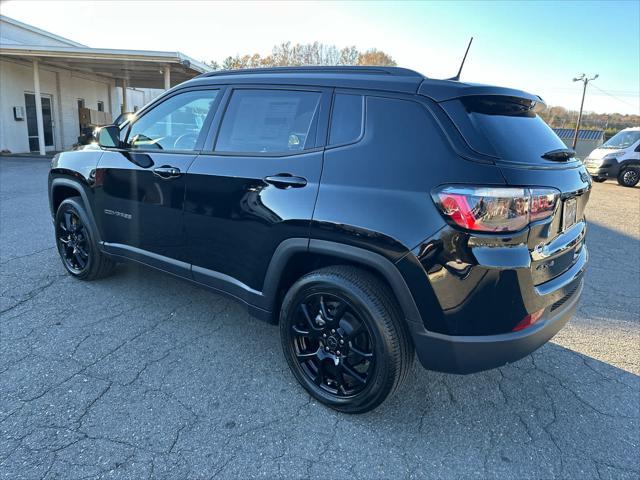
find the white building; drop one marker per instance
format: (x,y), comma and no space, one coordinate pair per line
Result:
(45,78)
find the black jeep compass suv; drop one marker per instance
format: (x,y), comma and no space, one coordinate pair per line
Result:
(370,212)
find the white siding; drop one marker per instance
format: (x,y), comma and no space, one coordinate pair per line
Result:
(139,97)
(65,87)
(17,78)
(15,34)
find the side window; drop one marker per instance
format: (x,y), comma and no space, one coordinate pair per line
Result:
(174,124)
(346,118)
(266,121)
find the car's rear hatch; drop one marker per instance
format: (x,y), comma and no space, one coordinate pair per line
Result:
(503,124)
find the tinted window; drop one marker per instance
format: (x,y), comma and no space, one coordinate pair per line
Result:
(512,127)
(262,121)
(346,119)
(175,124)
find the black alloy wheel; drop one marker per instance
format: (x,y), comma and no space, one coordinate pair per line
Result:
(344,339)
(73,242)
(333,345)
(76,243)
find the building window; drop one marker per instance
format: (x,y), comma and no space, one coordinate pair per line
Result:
(101,106)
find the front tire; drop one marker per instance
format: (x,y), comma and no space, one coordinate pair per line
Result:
(629,177)
(344,338)
(599,179)
(76,242)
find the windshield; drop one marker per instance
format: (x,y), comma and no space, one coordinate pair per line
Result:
(622,139)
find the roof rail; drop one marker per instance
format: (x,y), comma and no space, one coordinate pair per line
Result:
(395,71)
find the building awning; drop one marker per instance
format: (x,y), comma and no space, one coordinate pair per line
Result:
(140,68)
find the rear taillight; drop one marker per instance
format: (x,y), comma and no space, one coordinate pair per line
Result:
(500,209)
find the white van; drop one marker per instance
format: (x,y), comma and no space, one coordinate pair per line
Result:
(618,157)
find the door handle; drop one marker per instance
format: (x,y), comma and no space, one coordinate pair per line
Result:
(286,180)
(166,172)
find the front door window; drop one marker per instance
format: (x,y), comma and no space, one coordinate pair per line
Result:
(173,125)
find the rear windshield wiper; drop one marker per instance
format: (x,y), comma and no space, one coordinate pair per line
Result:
(560,155)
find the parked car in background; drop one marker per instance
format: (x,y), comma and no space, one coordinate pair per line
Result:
(618,157)
(370,211)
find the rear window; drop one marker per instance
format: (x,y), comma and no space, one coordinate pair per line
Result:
(509,125)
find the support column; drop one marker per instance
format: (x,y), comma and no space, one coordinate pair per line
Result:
(39,120)
(125,101)
(114,103)
(167,77)
(59,124)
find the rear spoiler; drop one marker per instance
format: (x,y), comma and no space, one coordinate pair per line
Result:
(443,90)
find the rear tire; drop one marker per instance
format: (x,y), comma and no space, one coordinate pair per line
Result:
(77,244)
(344,338)
(598,180)
(629,177)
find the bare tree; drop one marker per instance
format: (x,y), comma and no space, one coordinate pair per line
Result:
(316,53)
(375,57)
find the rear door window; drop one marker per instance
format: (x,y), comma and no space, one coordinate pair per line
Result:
(269,121)
(347,119)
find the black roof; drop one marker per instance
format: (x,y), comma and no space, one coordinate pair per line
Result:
(393,79)
(374,78)
(326,70)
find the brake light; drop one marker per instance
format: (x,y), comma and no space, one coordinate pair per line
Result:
(500,209)
(528,321)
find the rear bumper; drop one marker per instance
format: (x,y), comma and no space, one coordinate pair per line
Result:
(474,353)
(470,354)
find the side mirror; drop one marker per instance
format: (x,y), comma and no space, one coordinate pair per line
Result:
(109,137)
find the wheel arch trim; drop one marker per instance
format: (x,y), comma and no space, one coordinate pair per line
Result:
(630,162)
(67,182)
(373,260)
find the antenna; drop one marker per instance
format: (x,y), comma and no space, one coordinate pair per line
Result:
(457,77)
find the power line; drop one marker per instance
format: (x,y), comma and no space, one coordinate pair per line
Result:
(613,96)
(585,81)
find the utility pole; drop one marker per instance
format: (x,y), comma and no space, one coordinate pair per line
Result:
(582,78)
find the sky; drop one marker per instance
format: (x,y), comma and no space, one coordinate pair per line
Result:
(535,46)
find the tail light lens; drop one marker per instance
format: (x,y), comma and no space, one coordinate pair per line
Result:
(501,209)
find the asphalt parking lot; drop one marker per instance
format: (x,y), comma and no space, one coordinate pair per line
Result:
(142,375)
